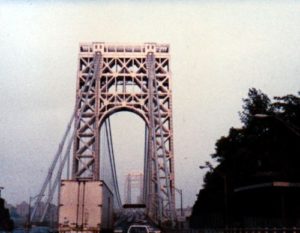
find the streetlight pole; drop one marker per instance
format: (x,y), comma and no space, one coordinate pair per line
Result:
(289,126)
(295,130)
(181,200)
(28,219)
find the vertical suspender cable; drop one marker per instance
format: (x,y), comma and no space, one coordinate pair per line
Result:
(112,161)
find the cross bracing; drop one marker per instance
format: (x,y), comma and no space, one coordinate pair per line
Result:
(133,182)
(60,166)
(112,78)
(61,160)
(134,78)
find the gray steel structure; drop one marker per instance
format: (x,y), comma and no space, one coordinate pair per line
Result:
(134,180)
(135,78)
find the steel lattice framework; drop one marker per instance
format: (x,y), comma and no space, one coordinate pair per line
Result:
(134,180)
(134,78)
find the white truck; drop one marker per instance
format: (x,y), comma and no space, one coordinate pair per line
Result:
(85,207)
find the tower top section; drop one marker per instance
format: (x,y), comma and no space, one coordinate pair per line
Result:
(106,48)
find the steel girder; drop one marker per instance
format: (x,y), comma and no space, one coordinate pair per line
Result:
(134,78)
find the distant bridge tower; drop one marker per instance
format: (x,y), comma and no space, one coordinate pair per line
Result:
(133,78)
(134,182)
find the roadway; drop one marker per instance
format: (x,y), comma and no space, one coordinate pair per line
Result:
(128,217)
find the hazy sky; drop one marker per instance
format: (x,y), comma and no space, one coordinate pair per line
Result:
(219,49)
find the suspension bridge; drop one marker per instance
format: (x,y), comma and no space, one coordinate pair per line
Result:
(82,175)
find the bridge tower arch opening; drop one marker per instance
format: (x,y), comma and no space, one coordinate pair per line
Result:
(135,78)
(128,136)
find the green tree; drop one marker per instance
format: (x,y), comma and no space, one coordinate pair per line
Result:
(6,224)
(263,150)
(256,103)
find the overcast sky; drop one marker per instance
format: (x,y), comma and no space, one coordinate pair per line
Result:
(219,49)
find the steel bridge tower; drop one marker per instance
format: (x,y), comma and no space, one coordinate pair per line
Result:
(134,181)
(135,78)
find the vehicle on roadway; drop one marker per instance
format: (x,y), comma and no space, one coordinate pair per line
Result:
(119,230)
(136,228)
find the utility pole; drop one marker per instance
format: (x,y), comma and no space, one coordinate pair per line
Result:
(288,125)
(181,200)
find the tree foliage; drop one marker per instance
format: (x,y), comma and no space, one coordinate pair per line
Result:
(263,150)
(6,224)
(256,103)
